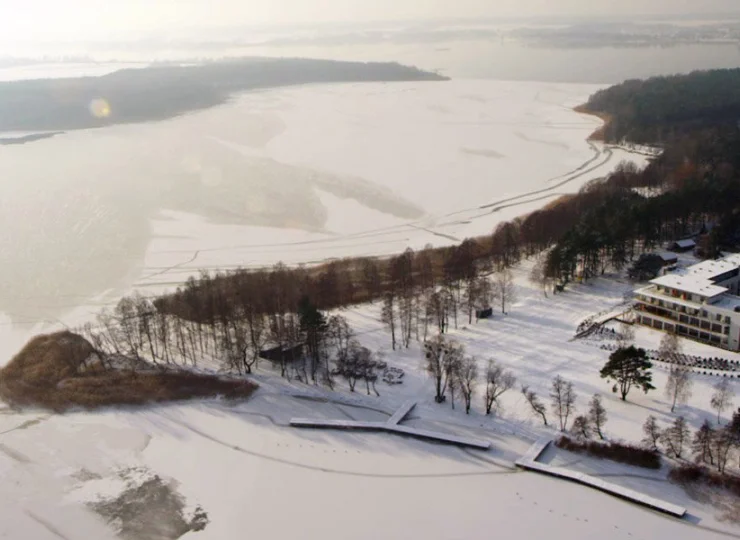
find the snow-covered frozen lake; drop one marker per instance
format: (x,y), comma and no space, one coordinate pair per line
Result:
(298,174)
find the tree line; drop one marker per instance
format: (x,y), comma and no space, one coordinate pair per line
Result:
(661,109)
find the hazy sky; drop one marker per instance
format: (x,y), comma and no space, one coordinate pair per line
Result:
(79,19)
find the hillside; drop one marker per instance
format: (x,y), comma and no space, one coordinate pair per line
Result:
(161,92)
(62,370)
(661,109)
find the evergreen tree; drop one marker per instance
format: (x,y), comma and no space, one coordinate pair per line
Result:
(628,367)
(313,328)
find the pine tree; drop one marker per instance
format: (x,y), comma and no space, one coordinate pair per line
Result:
(629,367)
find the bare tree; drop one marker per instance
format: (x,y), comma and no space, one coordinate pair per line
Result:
(563,398)
(258,334)
(466,375)
(534,401)
(441,356)
(722,398)
(350,364)
(406,310)
(626,337)
(504,289)
(652,433)
(597,415)
(126,319)
(581,427)
(388,316)
(538,275)
(703,444)
(234,349)
(676,437)
(369,369)
(723,443)
(678,387)
(340,335)
(498,382)
(670,348)
(478,294)
(438,308)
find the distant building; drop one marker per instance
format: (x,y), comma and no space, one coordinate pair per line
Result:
(484,313)
(700,302)
(283,354)
(669,259)
(683,245)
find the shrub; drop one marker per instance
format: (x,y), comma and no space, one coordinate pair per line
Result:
(696,474)
(622,453)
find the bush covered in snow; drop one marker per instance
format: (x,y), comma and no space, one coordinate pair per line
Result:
(622,453)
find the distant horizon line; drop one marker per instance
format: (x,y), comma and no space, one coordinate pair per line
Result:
(438,22)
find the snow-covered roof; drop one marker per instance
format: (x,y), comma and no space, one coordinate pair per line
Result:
(697,279)
(688,243)
(690,284)
(711,269)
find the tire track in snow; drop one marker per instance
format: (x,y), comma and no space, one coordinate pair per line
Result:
(574,174)
(170,268)
(328,470)
(27,424)
(46,525)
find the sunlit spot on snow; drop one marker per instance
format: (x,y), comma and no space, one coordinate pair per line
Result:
(100,108)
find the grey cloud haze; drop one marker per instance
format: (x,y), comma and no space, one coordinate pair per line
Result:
(49,19)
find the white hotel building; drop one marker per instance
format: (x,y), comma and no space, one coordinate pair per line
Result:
(700,302)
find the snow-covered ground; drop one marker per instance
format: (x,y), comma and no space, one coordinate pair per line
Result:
(303,175)
(255,475)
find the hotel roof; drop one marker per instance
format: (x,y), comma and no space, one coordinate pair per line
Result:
(690,284)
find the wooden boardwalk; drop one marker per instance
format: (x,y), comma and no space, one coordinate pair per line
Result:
(393,426)
(529,462)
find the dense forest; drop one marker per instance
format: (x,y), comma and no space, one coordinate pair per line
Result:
(161,92)
(662,109)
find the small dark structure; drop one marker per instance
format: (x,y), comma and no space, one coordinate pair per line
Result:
(283,354)
(681,246)
(484,313)
(669,259)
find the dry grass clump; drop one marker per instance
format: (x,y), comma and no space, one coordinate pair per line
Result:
(622,453)
(61,370)
(696,474)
